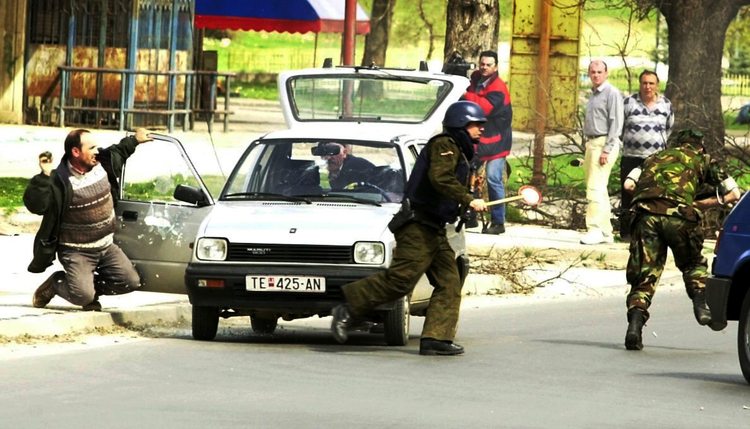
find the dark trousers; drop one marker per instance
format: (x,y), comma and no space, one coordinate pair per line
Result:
(420,249)
(627,164)
(90,273)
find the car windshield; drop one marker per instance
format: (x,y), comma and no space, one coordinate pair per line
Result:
(341,170)
(366,98)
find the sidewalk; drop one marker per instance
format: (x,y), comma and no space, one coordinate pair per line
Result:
(18,317)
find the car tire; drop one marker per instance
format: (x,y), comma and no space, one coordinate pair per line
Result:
(396,323)
(205,322)
(743,338)
(263,325)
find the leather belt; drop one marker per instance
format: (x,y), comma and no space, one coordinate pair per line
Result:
(596,136)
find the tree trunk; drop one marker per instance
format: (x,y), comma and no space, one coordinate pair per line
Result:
(471,27)
(697,30)
(376,43)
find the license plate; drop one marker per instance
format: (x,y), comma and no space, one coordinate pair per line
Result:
(285,284)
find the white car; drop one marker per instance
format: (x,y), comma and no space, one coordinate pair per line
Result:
(305,210)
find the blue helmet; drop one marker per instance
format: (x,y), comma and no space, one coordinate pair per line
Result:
(460,113)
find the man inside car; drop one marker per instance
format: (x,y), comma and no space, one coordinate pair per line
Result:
(343,167)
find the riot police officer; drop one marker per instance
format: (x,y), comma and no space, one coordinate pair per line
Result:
(436,190)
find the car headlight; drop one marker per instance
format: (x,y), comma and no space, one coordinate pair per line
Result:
(366,252)
(212,249)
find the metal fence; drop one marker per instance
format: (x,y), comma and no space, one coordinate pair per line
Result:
(195,95)
(731,84)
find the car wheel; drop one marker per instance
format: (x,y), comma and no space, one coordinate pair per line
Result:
(396,323)
(743,338)
(262,325)
(205,322)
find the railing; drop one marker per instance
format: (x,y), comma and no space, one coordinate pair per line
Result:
(731,84)
(127,80)
(735,84)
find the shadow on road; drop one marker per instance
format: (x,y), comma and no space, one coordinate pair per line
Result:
(318,340)
(730,379)
(614,346)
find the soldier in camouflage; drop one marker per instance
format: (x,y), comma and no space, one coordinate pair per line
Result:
(436,188)
(666,214)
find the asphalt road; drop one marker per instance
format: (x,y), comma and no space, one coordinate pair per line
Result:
(531,362)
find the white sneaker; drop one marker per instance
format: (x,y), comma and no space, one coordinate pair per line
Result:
(609,239)
(595,236)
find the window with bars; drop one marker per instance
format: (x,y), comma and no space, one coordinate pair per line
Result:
(93,20)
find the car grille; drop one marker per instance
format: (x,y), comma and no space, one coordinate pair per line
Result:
(244,252)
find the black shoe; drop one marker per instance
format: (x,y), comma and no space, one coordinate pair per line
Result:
(700,309)
(433,347)
(495,228)
(46,291)
(342,322)
(634,335)
(94,305)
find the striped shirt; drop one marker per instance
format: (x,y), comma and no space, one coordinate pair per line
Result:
(646,129)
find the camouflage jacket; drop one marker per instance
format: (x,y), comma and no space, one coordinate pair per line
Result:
(670,180)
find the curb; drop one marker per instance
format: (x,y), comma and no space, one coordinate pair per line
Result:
(52,324)
(153,315)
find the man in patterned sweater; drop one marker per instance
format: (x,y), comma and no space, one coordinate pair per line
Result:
(648,120)
(77,201)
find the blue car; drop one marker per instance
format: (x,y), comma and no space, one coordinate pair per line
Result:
(727,288)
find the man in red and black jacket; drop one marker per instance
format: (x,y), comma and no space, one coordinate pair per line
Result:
(491,93)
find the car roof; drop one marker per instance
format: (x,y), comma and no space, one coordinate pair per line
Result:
(346,131)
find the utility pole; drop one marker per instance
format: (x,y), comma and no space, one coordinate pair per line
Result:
(350,22)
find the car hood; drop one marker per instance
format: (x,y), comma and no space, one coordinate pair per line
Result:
(320,223)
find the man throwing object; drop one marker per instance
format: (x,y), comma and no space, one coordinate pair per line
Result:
(77,201)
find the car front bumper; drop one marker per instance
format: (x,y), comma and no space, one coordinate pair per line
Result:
(234,294)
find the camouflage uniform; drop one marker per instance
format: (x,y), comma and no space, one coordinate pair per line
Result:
(422,247)
(665,216)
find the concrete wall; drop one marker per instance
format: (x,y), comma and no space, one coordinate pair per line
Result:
(12,25)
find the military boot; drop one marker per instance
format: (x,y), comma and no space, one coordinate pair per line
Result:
(700,309)
(342,323)
(633,337)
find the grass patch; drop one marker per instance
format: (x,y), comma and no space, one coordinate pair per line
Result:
(214,183)
(729,124)
(162,188)
(11,191)
(560,175)
(257,90)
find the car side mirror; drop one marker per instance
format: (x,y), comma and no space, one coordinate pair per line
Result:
(190,194)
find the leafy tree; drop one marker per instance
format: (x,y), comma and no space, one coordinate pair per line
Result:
(737,46)
(697,30)
(376,43)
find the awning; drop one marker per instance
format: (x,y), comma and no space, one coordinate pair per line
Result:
(290,16)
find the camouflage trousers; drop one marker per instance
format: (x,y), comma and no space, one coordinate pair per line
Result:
(420,249)
(650,235)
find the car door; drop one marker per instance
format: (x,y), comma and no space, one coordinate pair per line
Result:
(154,229)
